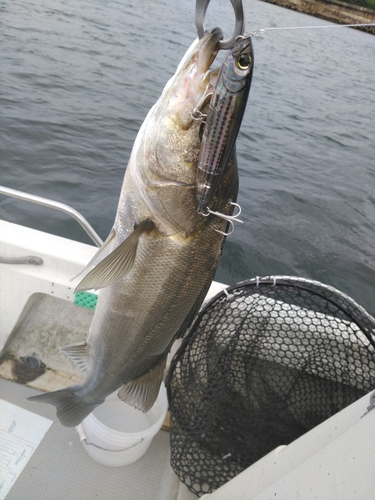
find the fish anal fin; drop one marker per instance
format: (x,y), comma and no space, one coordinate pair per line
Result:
(118,263)
(143,391)
(79,355)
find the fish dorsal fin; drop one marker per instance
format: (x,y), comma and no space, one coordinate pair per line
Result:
(79,355)
(143,391)
(117,264)
(100,254)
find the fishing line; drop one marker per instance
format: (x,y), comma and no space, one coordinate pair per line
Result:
(261,31)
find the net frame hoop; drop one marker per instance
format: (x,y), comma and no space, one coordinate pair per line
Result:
(311,286)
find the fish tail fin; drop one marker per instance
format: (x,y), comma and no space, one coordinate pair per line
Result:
(71,410)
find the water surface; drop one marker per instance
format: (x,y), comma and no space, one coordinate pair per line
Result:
(77,79)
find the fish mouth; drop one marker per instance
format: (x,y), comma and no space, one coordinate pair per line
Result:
(193,78)
(201,53)
(208,48)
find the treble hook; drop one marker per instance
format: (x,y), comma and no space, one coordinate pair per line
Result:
(229,218)
(200,14)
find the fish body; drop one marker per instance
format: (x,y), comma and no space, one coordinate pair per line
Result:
(162,255)
(226,110)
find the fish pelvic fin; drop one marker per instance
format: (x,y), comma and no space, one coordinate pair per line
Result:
(118,263)
(71,409)
(79,355)
(143,391)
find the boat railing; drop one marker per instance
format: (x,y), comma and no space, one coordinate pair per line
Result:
(39,200)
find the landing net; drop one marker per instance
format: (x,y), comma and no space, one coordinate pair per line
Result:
(264,362)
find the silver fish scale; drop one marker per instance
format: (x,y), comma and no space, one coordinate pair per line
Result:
(140,305)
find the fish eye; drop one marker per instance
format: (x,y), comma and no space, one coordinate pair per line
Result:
(244,61)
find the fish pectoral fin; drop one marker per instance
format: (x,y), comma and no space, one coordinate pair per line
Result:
(100,254)
(118,263)
(79,355)
(143,391)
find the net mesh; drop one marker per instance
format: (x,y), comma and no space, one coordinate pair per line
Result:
(264,362)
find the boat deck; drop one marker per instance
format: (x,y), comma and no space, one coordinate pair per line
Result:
(61,469)
(44,317)
(41,313)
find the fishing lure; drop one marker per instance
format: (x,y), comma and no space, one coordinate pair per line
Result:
(224,117)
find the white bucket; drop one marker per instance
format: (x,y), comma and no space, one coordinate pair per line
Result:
(117,434)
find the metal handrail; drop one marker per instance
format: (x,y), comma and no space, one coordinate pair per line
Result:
(39,200)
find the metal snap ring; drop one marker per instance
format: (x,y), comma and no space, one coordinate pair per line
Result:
(200,14)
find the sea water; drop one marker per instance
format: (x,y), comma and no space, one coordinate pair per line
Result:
(78,78)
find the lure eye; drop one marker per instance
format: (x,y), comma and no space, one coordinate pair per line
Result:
(244,61)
